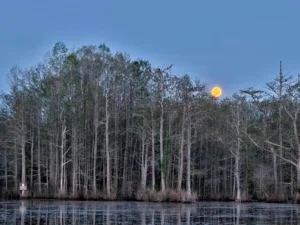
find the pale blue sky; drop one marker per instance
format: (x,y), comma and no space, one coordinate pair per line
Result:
(233,43)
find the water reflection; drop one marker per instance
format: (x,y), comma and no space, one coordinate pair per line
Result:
(22,210)
(238,213)
(73,212)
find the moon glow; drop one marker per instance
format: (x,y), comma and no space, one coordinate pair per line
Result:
(216,92)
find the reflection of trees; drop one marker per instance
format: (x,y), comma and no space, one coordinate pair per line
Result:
(152,218)
(61,213)
(107,215)
(238,213)
(73,213)
(188,216)
(162,217)
(22,212)
(178,219)
(143,218)
(4,215)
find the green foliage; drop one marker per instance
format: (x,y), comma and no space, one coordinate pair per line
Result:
(59,49)
(104,48)
(72,59)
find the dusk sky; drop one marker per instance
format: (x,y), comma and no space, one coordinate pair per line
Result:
(235,44)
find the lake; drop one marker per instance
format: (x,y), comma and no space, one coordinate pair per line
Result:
(89,212)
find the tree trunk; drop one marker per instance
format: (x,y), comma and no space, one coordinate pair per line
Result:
(125,159)
(108,180)
(16,165)
(188,173)
(292,181)
(31,162)
(23,142)
(180,160)
(162,161)
(5,169)
(74,160)
(52,167)
(56,184)
(116,158)
(161,140)
(275,170)
(96,122)
(280,127)
(62,158)
(39,160)
(144,167)
(153,153)
(298,176)
(237,172)
(237,153)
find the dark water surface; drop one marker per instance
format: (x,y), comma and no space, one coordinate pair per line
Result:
(75,212)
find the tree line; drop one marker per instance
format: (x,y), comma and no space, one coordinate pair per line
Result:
(92,124)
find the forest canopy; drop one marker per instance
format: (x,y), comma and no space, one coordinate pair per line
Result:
(90,123)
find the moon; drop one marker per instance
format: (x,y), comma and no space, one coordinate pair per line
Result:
(216,92)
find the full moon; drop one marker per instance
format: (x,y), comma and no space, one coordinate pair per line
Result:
(216,92)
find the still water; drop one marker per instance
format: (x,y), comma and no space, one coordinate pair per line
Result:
(75,212)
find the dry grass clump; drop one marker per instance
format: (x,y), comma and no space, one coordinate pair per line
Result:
(297,198)
(276,198)
(166,196)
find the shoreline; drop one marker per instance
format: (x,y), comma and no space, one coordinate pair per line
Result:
(57,199)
